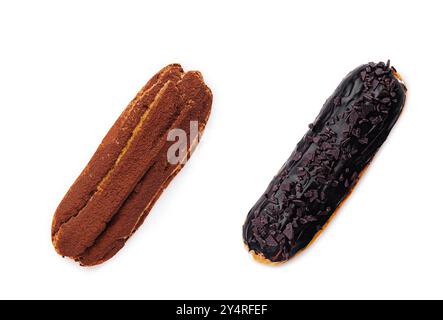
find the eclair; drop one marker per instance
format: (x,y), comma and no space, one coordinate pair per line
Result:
(326,164)
(131,167)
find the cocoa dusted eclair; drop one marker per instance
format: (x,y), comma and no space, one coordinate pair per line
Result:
(130,169)
(326,164)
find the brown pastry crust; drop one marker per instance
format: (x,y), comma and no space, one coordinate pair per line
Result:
(129,170)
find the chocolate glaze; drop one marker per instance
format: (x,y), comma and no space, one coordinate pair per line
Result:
(326,164)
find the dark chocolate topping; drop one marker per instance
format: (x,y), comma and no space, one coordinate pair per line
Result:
(326,164)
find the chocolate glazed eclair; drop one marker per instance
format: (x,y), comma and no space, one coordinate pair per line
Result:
(326,164)
(130,169)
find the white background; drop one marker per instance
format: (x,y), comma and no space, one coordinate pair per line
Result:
(67,70)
